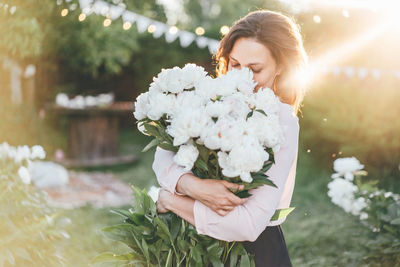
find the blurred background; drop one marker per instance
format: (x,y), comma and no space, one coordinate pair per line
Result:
(71,70)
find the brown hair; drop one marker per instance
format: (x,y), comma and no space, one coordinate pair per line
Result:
(282,37)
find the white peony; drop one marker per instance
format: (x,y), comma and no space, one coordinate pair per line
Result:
(342,193)
(170,80)
(188,124)
(238,105)
(267,129)
(243,79)
(37,152)
(160,104)
(90,101)
(217,109)
(62,100)
(141,106)
(225,85)
(227,167)
(77,102)
(153,193)
(187,100)
(266,100)
(186,155)
(245,157)
(346,167)
(192,75)
(105,99)
(207,88)
(223,134)
(24,174)
(22,153)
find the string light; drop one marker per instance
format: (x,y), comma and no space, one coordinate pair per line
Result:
(200,31)
(308,150)
(340,153)
(333,155)
(152,28)
(317,19)
(173,30)
(64,12)
(345,13)
(325,119)
(127,25)
(224,30)
(107,22)
(82,17)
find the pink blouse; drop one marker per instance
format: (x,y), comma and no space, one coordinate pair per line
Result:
(247,221)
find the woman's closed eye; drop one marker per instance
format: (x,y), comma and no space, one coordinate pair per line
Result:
(253,70)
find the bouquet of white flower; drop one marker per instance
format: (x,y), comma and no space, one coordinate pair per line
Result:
(218,127)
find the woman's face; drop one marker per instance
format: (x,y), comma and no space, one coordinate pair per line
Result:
(247,52)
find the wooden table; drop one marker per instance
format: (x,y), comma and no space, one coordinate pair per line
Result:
(93,134)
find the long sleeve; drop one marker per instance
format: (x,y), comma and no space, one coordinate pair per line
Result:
(166,170)
(246,222)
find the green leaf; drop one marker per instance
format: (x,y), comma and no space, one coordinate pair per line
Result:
(281,213)
(196,253)
(201,164)
(121,212)
(111,257)
(120,232)
(203,152)
(244,260)
(162,229)
(153,143)
(266,166)
(243,194)
(262,112)
(249,114)
(234,255)
(168,146)
(145,249)
(175,227)
(168,262)
(137,218)
(395,221)
(152,129)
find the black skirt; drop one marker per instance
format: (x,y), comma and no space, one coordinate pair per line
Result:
(269,249)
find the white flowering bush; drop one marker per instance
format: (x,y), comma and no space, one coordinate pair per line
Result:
(219,129)
(28,226)
(81,102)
(377,209)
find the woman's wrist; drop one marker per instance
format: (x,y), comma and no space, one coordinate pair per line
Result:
(186,183)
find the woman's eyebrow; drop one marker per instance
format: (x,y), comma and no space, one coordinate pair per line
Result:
(250,64)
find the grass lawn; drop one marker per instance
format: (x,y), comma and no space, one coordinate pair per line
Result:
(317,232)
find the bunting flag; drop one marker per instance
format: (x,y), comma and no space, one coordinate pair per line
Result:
(186,38)
(158,29)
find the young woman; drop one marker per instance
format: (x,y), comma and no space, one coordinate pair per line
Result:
(270,44)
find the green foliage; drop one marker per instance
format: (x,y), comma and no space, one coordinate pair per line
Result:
(166,240)
(22,30)
(354,119)
(89,48)
(383,220)
(30,229)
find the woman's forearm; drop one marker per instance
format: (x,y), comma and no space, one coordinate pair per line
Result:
(185,183)
(182,206)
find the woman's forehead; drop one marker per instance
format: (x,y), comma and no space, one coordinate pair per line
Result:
(248,51)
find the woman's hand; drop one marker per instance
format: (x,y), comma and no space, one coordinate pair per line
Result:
(164,198)
(213,193)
